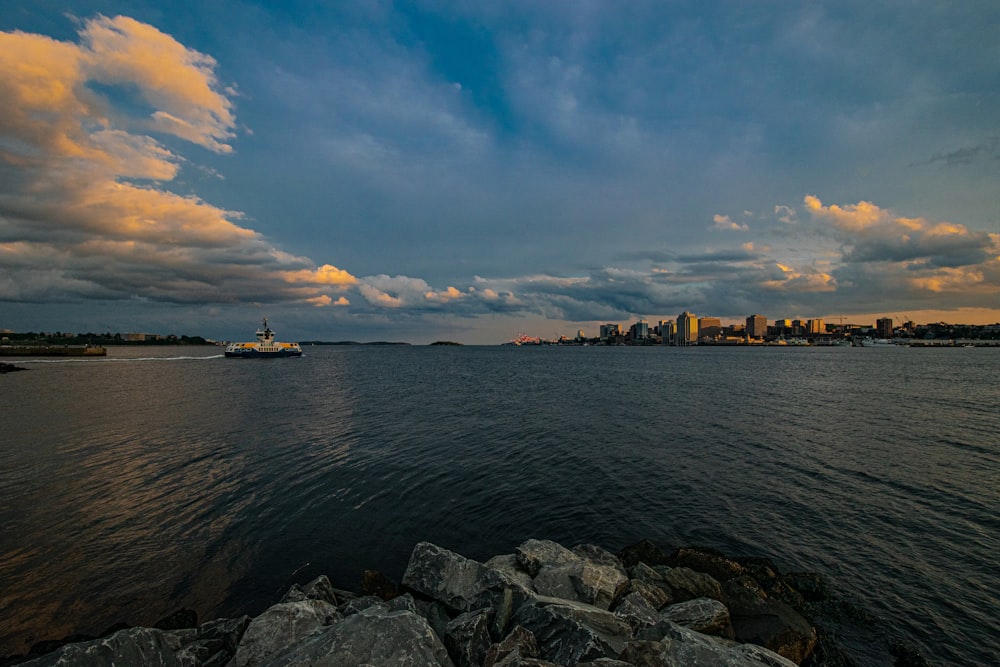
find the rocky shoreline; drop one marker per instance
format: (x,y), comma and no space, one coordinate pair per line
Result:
(543,605)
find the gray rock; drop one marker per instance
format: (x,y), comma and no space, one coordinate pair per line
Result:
(681,647)
(532,555)
(280,626)
(635,610)
(358,605)
(319,588)
(520,643)
(436,614)
(768,622)
(375,636)
(507,565)
(570,632)
(604,662)
(467,638)
(658,596)
(404,602)
(445,576)
(704,615)
(132,646)
(686,584)
(708,562)
(214,643)
(587,574)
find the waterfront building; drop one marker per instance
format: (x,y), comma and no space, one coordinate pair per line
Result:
(609,331)
(687,328)
(883,327)
(756,326)
(815,326)
(709,327)
(640,330)
(668,332)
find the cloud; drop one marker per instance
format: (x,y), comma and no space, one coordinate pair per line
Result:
(84,207)
(785,214)
(724,222)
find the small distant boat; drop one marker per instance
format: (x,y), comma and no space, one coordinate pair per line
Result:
(264,348)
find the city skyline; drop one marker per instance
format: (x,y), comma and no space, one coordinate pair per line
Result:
(419,172)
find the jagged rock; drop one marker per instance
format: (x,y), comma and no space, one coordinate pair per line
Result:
(635,610)
(686,584)
(570,632)
(590,575)
(532,555)
(643,551)
(467,638)
(404,602)
(319,588)
(132,646)
(507,565)
(703,615)
(358,605)
(657,596)
(708,562)
(520,643)
(444,576)
(765,573)
(375,636)
(604,662)
(435,613)
(212,644)
(281,626)
(767,621)
(681,646)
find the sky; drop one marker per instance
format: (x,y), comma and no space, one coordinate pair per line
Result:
(467,171)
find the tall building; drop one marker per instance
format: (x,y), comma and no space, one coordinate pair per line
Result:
(640,330)
(668,332)
(815,326)
(709,327)
(610,331)
(883,326)
(756,326)
(687,328)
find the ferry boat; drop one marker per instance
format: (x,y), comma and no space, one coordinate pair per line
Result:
(265,347)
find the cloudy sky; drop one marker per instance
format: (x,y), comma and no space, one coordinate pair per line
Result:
(418,171)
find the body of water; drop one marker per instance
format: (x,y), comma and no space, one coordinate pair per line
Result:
(155,479)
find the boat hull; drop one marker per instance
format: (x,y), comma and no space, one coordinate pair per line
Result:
(257,354)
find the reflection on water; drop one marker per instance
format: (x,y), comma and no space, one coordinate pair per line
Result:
(128,490)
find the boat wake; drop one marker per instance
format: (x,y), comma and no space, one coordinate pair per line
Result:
(105,360)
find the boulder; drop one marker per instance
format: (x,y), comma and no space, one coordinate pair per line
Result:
(375,583)
(635,610)
(532,555)
(686,584)
(404,602)
(658,596)
(467,638)
(681,646)
(375,636)
(703,615)
(587,574)
(768,622)
(212,644)
(319,588)
(643,551)
(280,626)
(445,576)
(708,562)
(507,565)
(569,632)
(358,605)
(520,643)
(132,646)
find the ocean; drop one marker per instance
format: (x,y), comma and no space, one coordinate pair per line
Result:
(161,478)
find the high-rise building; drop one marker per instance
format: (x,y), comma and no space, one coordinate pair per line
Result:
(687,328)
(883,326)
(756,326)
(610,331)
(668,332)
(815,326)
(640,330)
(709,327)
